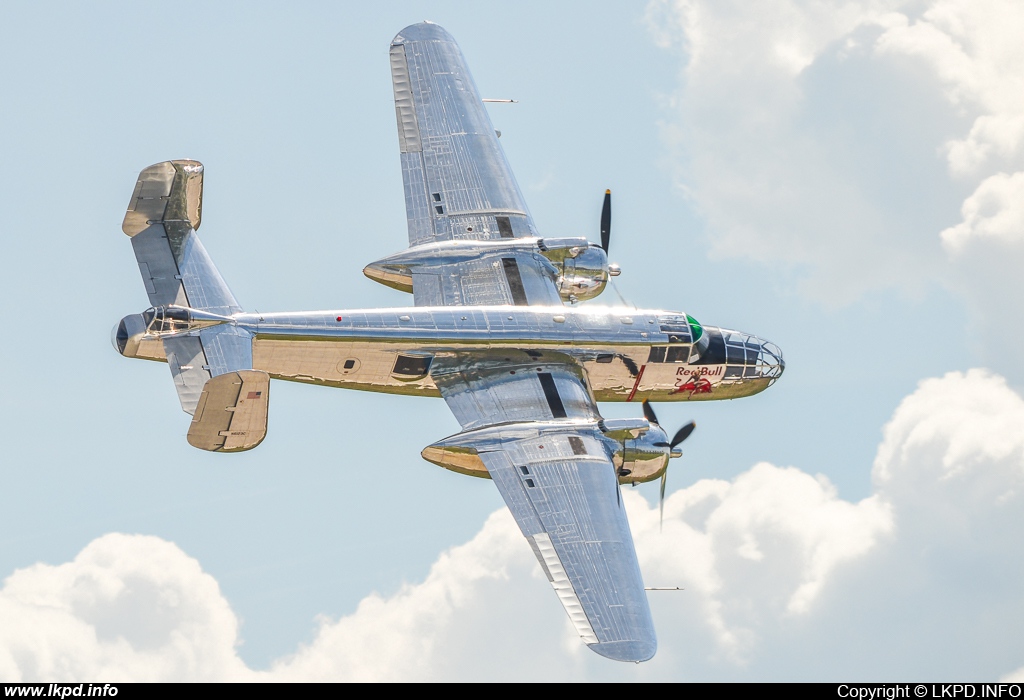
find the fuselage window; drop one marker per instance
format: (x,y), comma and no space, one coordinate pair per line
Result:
(734,355)
(677,354)
(578,448)
(752,352)
(412,365)
(505,227)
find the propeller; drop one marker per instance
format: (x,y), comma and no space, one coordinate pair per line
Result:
(606,220)
(680,435)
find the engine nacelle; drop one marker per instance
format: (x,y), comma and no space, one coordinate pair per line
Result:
(640,460)
(579,269)
(583,270)
(639,449)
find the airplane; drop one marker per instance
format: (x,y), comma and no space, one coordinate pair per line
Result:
(496,328)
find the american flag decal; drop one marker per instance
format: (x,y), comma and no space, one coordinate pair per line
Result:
(254,394)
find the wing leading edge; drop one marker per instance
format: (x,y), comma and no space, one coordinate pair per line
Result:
(536,430)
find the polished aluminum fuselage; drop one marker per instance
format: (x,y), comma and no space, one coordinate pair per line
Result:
(364,348)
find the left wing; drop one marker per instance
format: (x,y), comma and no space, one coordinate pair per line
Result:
(535,427)
(458,183)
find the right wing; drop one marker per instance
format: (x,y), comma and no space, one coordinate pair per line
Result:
(458,184)
(563,492)
(537,433)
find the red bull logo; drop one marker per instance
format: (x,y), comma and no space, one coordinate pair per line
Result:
(693,385)
(700,371)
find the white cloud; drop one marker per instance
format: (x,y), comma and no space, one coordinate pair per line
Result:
(128,608)
(415,634)
(814,136)
(801,146)
(779,527)
(920,579)
(987,252)
(1014,677)
(995,211)
(975,49)
(958,430)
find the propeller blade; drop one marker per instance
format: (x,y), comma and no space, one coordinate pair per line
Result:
(683,433)
(618,493)
(606,220)
(661,501)
(649,413)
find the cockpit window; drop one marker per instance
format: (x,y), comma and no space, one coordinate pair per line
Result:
(695,328)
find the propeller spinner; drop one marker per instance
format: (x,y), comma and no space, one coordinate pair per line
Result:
(680,435)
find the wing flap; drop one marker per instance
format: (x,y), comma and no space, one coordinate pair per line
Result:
(544,549)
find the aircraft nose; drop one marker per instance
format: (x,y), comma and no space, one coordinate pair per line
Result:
(770,360)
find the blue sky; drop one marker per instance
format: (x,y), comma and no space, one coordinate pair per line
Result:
(843,178)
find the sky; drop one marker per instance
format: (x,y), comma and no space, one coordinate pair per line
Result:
(845,179)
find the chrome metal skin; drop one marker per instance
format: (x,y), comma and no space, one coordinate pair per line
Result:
(626,353)
(578,269)
(494,330)
(632,447)
(583,274)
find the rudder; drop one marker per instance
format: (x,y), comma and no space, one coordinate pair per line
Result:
(191,308)
(165,210)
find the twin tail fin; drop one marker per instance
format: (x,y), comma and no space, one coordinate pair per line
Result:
(210,361)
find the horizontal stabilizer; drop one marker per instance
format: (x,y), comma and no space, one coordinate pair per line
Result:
(194,359)
(232,412)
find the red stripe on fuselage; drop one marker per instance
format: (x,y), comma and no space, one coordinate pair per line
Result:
(639,376)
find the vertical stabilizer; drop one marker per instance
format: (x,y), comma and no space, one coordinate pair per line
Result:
(165,210)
